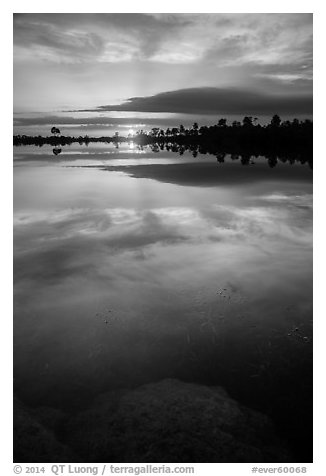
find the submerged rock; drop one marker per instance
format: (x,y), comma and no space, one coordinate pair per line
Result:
(35,443)
(173,421)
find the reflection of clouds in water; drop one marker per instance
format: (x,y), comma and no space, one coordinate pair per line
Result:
(109,224)
(266,224)
(162,223)
(285,218)
(304,200)
(85,242)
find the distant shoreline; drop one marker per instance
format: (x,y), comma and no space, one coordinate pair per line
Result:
(288,139)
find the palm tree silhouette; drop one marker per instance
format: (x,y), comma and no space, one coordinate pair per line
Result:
(55,130)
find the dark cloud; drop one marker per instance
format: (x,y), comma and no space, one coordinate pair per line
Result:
(103,58)
(95,121)
(214,101)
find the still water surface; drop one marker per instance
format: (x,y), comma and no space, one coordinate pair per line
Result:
(132,266)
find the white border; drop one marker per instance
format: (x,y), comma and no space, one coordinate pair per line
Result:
(64,6)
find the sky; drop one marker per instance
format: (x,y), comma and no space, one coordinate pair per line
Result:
(131,65)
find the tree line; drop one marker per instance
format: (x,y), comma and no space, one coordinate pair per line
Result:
(278,137)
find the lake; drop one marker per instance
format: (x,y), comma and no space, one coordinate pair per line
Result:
(132,266)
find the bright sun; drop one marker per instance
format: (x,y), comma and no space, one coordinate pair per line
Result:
(131,132)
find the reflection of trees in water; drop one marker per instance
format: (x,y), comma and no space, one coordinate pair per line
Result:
(220,157)
(277,141)
(245,157)
(272,160)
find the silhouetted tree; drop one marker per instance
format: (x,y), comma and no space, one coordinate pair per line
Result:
(155,131)
(55,130)
(287,141)
(247,121)
(195,128)
(203,130)
(276,121)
